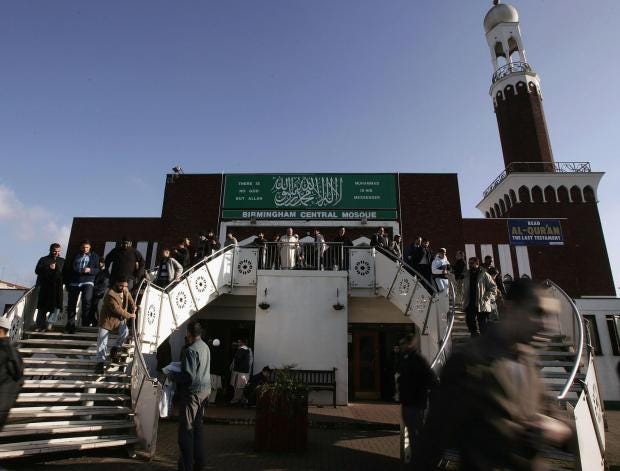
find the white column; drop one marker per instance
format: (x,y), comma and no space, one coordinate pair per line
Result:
(153,256)
(505,260)
(142,247)
(523,261)
(470,251)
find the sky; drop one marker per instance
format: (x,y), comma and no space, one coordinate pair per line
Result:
(99,100)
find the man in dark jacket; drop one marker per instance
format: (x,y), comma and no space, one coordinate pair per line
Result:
(49,281)
(181,254)
(415,379)
(344,243)
(241,368)
(194,386)
(102,283)
(261,242)
(11,371)
(380,240)
(491,403)
(124,262)
(80,276)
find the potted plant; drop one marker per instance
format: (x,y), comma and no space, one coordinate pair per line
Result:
(281,413)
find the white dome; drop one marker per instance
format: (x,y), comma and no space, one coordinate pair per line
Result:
(500,13)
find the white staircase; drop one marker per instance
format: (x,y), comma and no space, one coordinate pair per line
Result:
(63,404)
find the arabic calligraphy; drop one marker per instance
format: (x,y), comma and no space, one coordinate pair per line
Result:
(307,191)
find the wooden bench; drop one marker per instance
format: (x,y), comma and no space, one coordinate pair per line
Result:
(314,380)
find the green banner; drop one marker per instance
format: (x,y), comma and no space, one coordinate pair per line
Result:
(310,191)
(308,214)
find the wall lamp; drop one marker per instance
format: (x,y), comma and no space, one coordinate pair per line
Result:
(264,305)
(338,306)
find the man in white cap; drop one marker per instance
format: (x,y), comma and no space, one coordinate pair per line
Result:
(218,367)
(11,371)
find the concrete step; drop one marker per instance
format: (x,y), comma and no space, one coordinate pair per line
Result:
(79,384)
(63,427)
(61,397)
(555,353)
(66,351)
(70,372)
(560,375)
(59,361)
(562,364)
(66,411)
(57,342)
(52,334)
(16,450)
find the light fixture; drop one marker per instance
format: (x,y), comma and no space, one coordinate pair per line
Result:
(338,306)
(364,220)
(264,305)
(178,170)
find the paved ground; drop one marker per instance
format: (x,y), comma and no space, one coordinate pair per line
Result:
(359,437)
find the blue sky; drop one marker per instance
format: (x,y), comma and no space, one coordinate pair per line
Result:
(100,99)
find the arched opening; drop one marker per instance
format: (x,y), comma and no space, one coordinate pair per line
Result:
(575,194)
(524,194)
(513,47)
(550,195)
(537,195)
(497,210)
(502,206)
(513,197)
(563,194)
(507,202)
(487,215)
(493,213)
(589,195)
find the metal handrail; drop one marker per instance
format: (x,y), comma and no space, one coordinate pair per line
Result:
(136,337)
(444,341)
(510,68)
(192,268)
(580,340)
(537,167)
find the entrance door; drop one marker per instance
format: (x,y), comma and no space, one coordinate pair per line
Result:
(366,368)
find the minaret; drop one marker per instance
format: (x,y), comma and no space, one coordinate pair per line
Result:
(516,92)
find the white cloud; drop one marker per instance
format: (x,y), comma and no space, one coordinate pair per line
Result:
(30,223)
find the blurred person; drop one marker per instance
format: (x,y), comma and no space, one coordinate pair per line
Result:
(181,254)
(440,269)
(169,269)
(261,242)
(380,240)
(415,380)
(424,260)
(395,247)
(458,268)
(11,371)
(81,273)
(230,240)
(241,368)
(49,281)
(273,257)
(413,253)
(193,388)
(207,244)
(218,369)
(101,284)
(262,377)
(190,250)
(320,247)
(118,307)
(491,403)
(344,243)
(489,265)
(478,292)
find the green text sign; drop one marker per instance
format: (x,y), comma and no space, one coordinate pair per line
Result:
(310,191)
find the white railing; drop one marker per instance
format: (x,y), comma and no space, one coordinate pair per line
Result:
(588,411)
(22,313)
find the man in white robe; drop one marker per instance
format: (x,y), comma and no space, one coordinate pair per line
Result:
(289,245)
(439,269)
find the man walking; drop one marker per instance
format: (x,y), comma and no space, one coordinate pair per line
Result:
(124,263)
(169,269)
(478,291)
(193,388)
(49,281)
(241,367)
(118,307)
(344,243)
(491,404)
(415,379)
(11,371)
(81,273)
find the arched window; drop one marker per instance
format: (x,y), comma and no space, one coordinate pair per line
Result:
(502,206)
(524,194)
(507,202)
(575,194)
(537,195)
(487,215)
(513,197)
(493,213)
(550,195)
(563,194)
(589,195)
(497,210)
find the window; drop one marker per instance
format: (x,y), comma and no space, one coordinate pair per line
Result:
(594,337)
(613,324)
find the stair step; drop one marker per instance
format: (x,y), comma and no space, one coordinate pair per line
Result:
(560,375)
(558,353)
(77,343)
(63,351)
(63,426)
(59,361)
(561,364)
(56,397)
(64,411)
(16,450)
(552,344)
(64,384)
(52,334)
(69,372)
